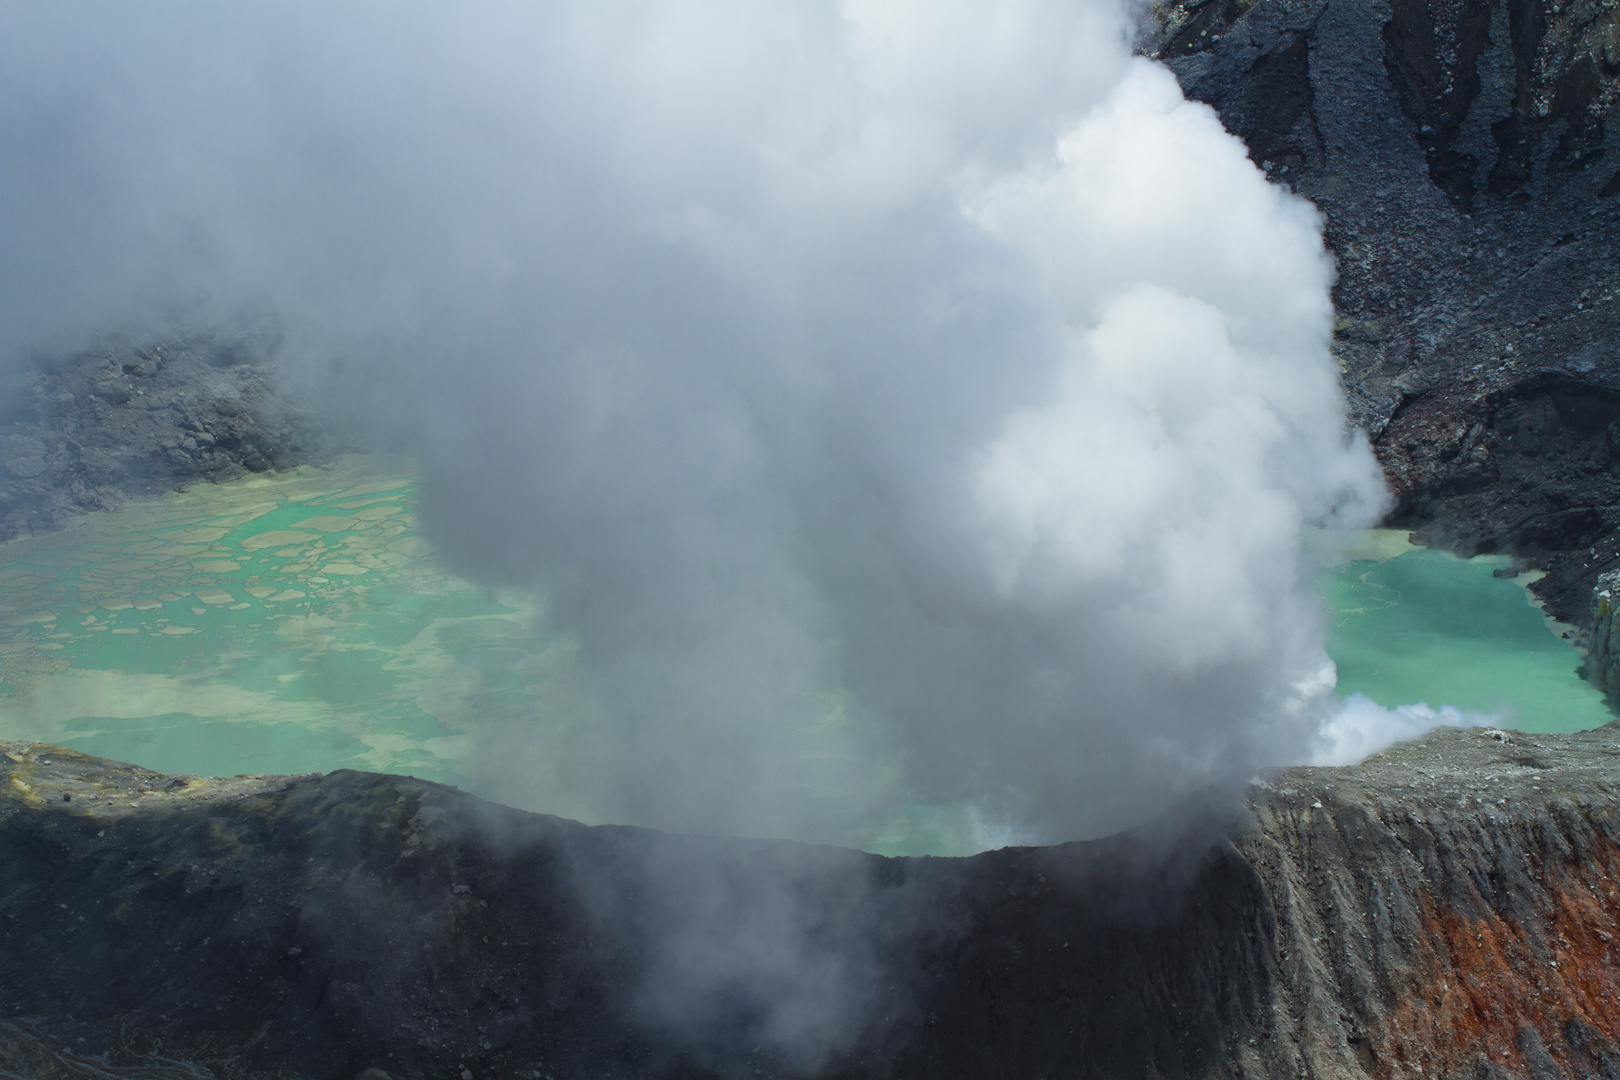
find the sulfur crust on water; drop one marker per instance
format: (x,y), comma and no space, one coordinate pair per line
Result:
(297,622)
(271,612)
(1329,548)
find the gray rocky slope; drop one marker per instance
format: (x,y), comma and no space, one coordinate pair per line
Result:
(1465,155)
(87,431)
(1450,908)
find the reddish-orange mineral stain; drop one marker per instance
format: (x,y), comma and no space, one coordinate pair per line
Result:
(1481,980)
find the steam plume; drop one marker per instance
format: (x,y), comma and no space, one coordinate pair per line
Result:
(932,369)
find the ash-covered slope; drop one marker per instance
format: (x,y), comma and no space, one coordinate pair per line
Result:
(86,431)
(1449,908)
(1466,157)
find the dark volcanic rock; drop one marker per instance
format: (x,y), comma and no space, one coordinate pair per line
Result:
(88,431)
(1465,155)
(1451,908)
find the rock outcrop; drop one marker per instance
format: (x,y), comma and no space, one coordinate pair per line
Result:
(1603,648)
(1466,159)
(88,431)
(1450,908)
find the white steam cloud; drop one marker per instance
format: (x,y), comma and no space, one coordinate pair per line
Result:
(1362,727)
(931,368)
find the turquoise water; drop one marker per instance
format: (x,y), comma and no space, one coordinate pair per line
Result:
(298,622)
(1424,626)
(280,624)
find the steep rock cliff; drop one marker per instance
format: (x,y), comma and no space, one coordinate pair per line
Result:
(1466,158)
(1449,908)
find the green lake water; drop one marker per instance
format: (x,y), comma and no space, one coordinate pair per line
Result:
(298,622)
(1412,625)
(279,624)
